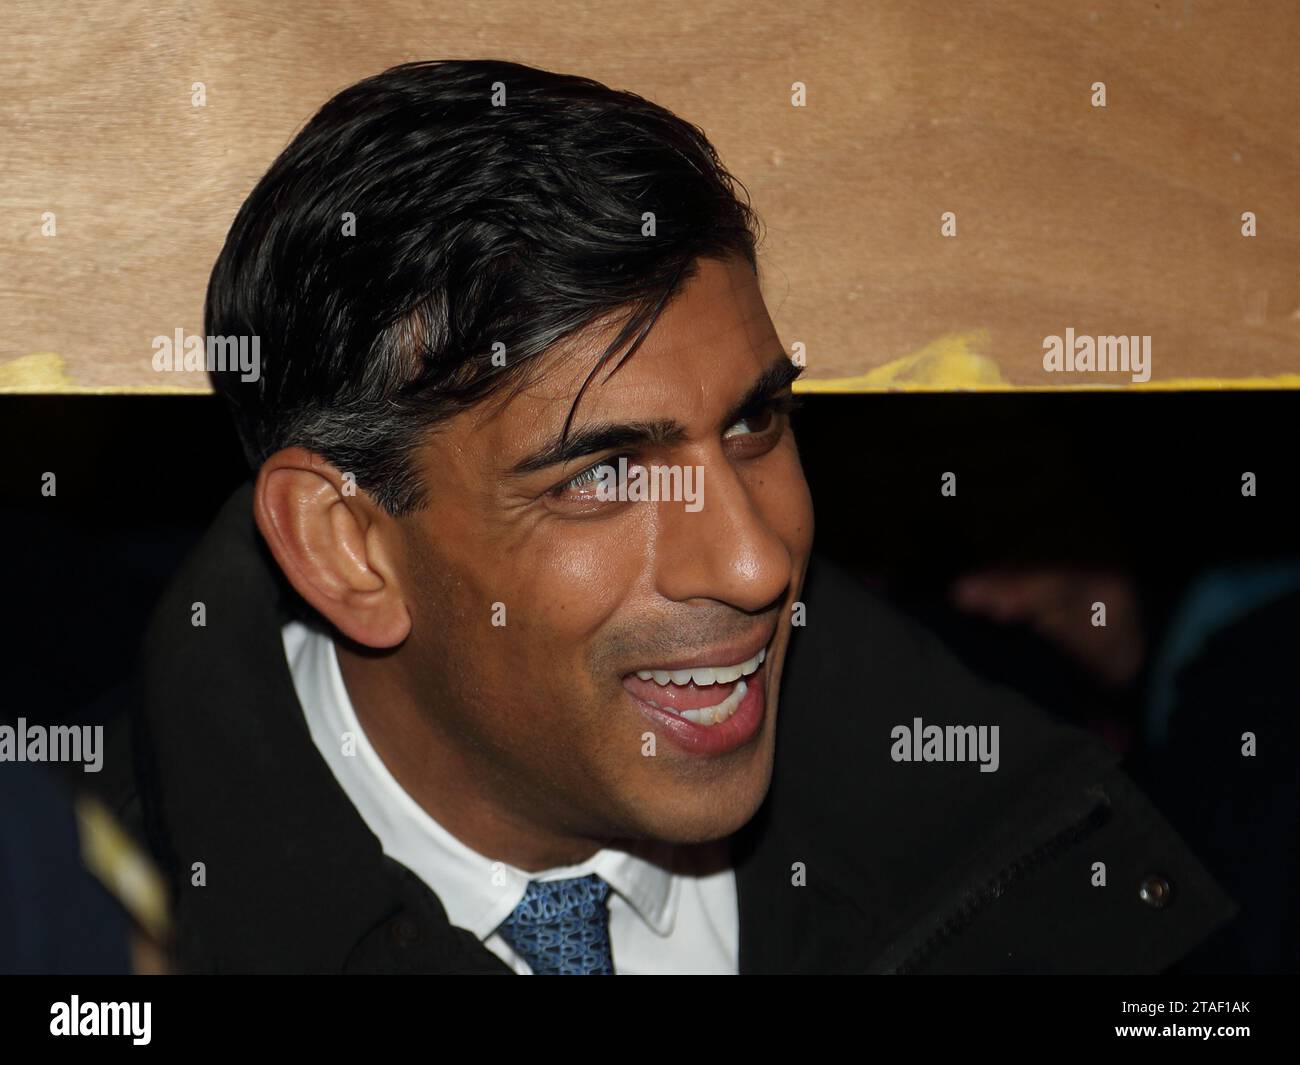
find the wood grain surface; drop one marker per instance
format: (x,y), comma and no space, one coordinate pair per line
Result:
(1116,220)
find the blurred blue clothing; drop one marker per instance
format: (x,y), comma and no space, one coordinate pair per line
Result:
(55,916)
(1213,600)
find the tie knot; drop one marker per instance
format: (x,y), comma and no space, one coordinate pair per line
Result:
(561,927)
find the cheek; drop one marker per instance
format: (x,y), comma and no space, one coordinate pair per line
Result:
(781,495)
(567,587)
(583,576)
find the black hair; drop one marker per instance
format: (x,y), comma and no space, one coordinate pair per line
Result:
(493,204)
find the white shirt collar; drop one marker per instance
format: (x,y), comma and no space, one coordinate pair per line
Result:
(477,892)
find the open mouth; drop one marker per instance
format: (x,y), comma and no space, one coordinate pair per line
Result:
(704,695)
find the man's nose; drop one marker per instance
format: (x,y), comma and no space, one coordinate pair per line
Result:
(727,550)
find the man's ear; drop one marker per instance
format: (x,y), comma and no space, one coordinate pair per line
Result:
(334,544)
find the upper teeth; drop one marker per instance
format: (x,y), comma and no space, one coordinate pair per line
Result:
(704,675)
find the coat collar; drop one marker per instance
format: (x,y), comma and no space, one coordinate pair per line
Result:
(270,856)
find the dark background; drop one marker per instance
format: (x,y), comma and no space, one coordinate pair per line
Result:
(1148,484)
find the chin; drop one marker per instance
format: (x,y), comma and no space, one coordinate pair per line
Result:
(709,811)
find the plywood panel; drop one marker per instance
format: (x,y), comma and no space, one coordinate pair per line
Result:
(1117,220)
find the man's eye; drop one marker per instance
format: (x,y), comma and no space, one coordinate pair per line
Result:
(584,484)
(591,475)
(759,422)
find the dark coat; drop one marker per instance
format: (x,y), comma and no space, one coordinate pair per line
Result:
(910,867)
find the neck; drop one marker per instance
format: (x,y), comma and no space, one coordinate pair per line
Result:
(465,794)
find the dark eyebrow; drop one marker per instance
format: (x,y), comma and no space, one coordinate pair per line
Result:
(778,376)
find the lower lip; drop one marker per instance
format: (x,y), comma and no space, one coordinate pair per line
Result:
(737,730)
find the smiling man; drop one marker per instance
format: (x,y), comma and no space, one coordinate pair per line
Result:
(430,697)
(554,604)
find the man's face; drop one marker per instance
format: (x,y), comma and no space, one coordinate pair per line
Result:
(545,713)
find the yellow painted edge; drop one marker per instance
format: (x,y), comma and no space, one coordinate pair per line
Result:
(951,363)
(106,390)
(810,386)
(957,362)
(45,373)
(829,386)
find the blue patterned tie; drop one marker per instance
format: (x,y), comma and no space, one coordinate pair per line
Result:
(561,927)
